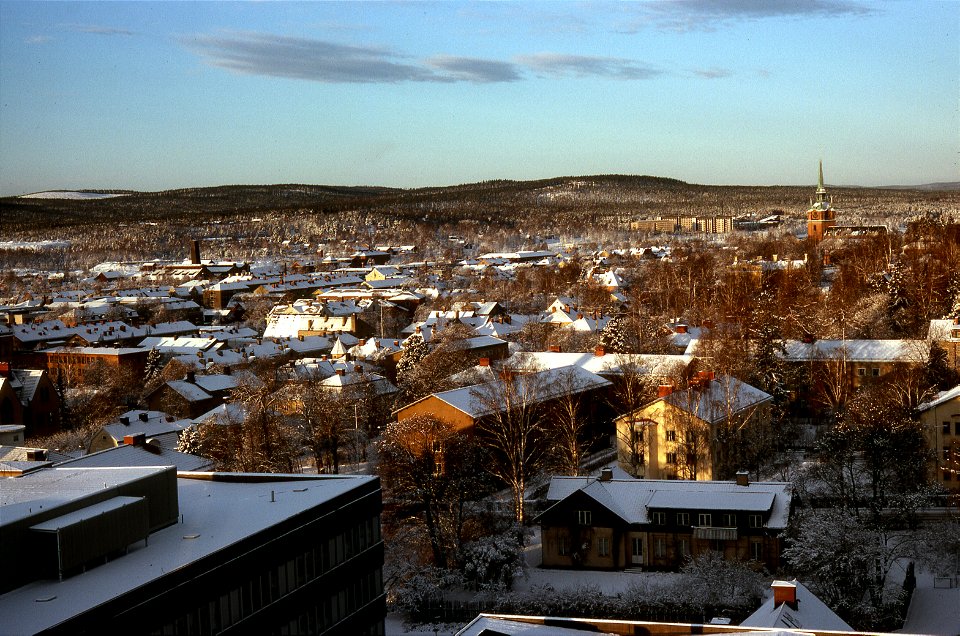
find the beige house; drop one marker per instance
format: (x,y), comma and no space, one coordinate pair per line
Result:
(941,423)
(677,435)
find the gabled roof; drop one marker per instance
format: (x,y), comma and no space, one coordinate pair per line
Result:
(633,499)
(810,614)
(940,398)
(128,456)
(189,391)
(546,385)
(719,399)
(856,350)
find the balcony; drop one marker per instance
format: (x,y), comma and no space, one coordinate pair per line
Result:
(714,534)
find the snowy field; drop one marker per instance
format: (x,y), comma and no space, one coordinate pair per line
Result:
(33,246)
(70,194)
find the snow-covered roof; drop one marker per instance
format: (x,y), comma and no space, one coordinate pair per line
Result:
(610,364)
(940,398)
(633,499)
(537,387)
(718,399)
(189,391)
(216,514)
(810,613)
(856,350)
(133,455)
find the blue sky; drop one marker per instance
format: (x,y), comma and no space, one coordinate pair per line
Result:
(151,96)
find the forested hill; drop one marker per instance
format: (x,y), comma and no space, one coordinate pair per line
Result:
(500,201)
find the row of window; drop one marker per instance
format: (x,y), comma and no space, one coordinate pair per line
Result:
(269,586)
(874,371)
(956,427)
(636,544)
(704,519)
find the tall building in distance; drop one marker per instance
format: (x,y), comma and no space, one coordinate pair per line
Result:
(821,214)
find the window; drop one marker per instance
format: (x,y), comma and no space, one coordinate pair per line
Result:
(671,436)
(861,371)
(683,518)
(563,546)
(638,432)
(659,518)
(956,429)
(756,521)
(683,545)
(946,428)
(659,548)
(729,520)
(875,371)
(584,517)
(603,546)
(671,458)
(756,550)
(637,547)
(946,475)
(705,519)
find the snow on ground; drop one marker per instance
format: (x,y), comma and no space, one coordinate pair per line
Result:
(70,194)
(933,610)
(34,246)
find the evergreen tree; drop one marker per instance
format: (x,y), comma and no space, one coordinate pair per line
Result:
(613,337)
(153,366)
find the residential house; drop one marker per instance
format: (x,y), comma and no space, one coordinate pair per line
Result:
(940,417)
(946,333)
(614,524)
(465,407)
(155,425)
(38,398)
(676,435)
(185,398)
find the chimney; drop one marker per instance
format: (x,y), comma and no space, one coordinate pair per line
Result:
(357,368)
(339,371)
(144,416)
(137,439)
(664,390)
(191,377)
(483,362)
(606,473)
(784,592)
(195,252)
(125,420)
(4,369)
(743,478)
(599,351)
(362,342)
(554,348)
(153,446)
(37,455)
(681,329)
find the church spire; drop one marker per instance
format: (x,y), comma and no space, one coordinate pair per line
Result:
(820,188)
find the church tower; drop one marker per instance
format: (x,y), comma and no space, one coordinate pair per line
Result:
(821,214)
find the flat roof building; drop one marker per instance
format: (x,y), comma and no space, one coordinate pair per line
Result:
(148,550)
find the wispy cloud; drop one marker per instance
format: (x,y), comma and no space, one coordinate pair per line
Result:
(562,65)
(692,15)
(96,29)
(475,70)
(272,55)
(713,73)
(302,58)
(39,39)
